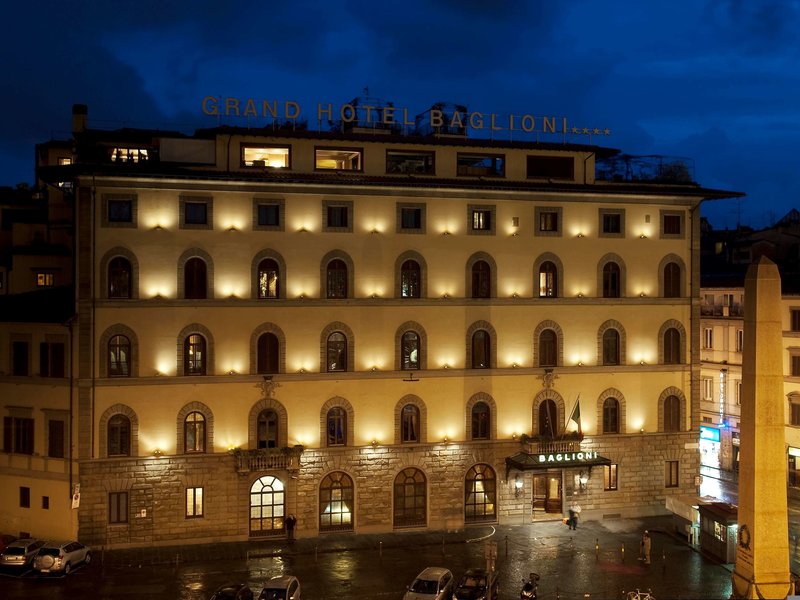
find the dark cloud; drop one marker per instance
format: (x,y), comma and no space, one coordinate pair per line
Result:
(714,80)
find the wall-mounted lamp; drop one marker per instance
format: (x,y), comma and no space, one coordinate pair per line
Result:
(514,366)
(374,443)
(232,228)
(445,296)
(641,430)
(580,294)
(374,368)
(445,440)
(642,295)
(580,235)
(374,231)
(373,296)
(445,232)
(301,370)
(445,366)
(583,479)
(158,228)
(580,363)
(302,230)
(517,486)
(158,453)
(232,372)
(515,295)
(642,236)
(641,362)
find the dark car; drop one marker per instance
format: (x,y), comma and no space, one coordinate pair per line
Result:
(475,585)
(233,591)
(20,553)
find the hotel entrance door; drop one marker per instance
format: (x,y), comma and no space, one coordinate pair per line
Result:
(547,492)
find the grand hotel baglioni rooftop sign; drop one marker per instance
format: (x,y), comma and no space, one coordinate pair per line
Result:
(451,117)
(525,461)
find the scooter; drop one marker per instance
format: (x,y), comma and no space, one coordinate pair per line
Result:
(529,587)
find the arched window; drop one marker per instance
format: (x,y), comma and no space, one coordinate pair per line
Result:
(337,279)
(481,421)
(336,502)
(481,279)
(268,279)
(410,498)
(267,429)
(611,280)
(672,413)
(337,352)
(548,418)
(409,424)
(119,356)
(410,279)
(672,346)
(119,278)
(194,355)
(611,415)
(548,348)
(548,280)
(481,349)
(480,494)
(267,506)
(336,421)
(410,351)
(268,353)
(672,280)
(119,436)
(611,347)
(194,432)
(195,281)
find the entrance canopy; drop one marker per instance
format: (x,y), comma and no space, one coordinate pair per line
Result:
(524,461)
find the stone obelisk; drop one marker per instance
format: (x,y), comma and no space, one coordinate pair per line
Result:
(762,553)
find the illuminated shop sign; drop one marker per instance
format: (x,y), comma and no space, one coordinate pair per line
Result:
(567,457)
(365,115)
(709,433)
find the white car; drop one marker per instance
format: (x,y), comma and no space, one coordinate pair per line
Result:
(433,583)
(20,553)
(55,557)
(282,587)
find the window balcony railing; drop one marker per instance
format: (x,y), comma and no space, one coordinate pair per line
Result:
(718,310)
(547,445)
(650,169)
(267,458)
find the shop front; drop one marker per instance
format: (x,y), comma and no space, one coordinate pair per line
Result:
(549,471)
(709,446)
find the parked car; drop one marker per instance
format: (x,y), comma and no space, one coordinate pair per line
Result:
(5,540)
(233,591)
(21,552)
(55,557)
(475,585)
(282,587)
(433,583)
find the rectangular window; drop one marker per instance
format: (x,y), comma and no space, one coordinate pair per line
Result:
(481,220)
(51,359)
(2,280)
(610,477)
(45,502)
(410,163)
(481,165)
(337,216)
(551,167)
(117,507)
(738,392)
(671,224)
(24,497)
(18,435)
(19,358)
(795,319)
(55,439)
(708,338)
(708,388)
(671,473)
(196,213)
(410,218)
(120,211)
(548,221)
(739,340)
(795,416)
(261,157)
(44,279)
(795,365)
(129,155)
(269,215)
(194,502)
(612,222)
(64,160)
(338,159)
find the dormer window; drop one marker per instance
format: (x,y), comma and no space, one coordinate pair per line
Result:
(129,155)
(276,157)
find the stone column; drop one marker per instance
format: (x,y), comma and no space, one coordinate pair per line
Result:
(762,553)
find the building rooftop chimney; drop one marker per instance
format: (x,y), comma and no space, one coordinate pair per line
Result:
(80,114)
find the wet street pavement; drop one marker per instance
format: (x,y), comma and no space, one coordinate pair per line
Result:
(598,560)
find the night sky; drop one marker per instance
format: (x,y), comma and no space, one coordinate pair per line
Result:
(715,81)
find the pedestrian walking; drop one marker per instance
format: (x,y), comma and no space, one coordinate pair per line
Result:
(574,513)
(290,522)
(646,542)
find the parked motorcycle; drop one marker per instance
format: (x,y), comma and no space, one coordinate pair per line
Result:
(529,587)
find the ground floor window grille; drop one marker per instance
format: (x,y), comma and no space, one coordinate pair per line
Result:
(410,498)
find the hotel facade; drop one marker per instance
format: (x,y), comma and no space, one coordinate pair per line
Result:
(370,329)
